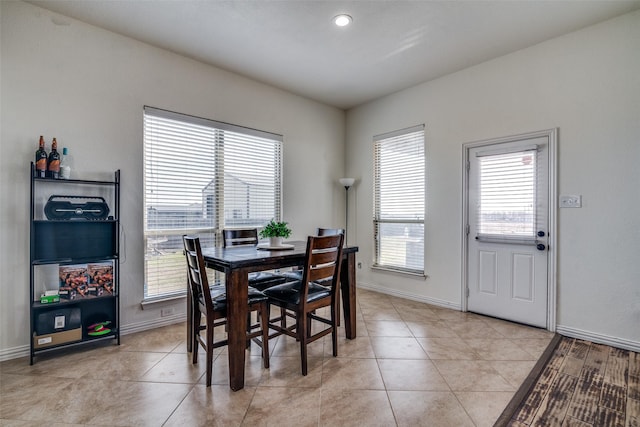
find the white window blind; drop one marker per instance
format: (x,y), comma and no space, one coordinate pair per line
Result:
(399,200)
(507,194)
(201,176)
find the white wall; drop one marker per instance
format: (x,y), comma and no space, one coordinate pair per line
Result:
(87,87)
(587,84)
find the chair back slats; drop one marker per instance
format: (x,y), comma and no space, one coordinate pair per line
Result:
(197,274)
(323,261)
(239,237)
(329,231)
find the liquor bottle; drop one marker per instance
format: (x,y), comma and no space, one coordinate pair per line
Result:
(54,161)
(41,160)
(65,164)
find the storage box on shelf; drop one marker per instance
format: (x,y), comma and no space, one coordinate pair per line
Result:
(74,256)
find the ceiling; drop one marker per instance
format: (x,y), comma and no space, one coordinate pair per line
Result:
(293,44)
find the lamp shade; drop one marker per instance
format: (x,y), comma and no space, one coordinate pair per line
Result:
(347,182)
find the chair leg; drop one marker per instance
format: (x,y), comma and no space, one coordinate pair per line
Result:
(264,320)
(196,319)
(248,345)
(209,350)
(335,321)
(302,336)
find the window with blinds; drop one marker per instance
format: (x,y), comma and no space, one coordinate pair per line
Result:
(201,176)
(507,194)
(399,200)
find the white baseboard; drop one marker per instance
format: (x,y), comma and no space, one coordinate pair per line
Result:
(14,353)
(598,338)
(409,296)
(132,328)
(23,350)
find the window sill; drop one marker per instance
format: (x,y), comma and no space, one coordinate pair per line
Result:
(415,274)
(166,299)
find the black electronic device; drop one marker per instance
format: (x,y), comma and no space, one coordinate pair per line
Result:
(61,208)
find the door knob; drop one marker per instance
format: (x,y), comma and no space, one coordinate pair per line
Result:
(541,247)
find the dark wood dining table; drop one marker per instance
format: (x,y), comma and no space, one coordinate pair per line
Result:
(236,263)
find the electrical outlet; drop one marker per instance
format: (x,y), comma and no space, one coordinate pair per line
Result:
(571,201)
(167,311)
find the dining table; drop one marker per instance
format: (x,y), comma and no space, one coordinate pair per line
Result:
(236,262)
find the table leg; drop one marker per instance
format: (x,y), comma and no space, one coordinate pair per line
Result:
(237,294)
(348,288)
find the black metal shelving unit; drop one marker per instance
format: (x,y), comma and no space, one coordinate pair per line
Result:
(73,242)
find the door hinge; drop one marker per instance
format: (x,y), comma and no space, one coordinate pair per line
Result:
(468,166)
(467,229)
(467,292)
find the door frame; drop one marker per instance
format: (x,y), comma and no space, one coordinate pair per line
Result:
(552,253)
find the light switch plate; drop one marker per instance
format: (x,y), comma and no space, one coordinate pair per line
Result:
(571,201)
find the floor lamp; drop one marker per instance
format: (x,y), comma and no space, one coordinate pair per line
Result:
(347,183)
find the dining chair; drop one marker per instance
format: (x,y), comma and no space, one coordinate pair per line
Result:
(260,280)
(302,299)
(211,302)
(296,274)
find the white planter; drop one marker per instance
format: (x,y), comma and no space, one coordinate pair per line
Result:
(275,241)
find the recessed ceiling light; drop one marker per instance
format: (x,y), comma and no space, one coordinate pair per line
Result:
(342,20)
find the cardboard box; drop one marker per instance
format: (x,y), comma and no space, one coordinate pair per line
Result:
(58,319)
(49,299)
(48,340)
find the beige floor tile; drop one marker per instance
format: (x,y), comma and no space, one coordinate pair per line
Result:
(176,368)
(428,408)
(212,406)
(287,372)
(411,364)
(136,403)
(411,375)
(416,314)
(253,370)
(362,374)
(163,339)
(472,375)
(448,349)
(387,328)
(534,346)
(19,395)
(515,372)
(375,313)
(397,348)
(19,423)
(284,406)
(514,330)
(359,348)
(498,349)
(127,366)
(289,347)
(484,407)
(471,327)
(430,329)
(357,408)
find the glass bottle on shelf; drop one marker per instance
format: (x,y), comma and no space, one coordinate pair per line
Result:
(54,161)
(65,164)
(41,160)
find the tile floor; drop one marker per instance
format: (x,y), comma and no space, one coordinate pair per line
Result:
(412,364)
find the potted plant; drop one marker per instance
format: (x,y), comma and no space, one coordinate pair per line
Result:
(275,231)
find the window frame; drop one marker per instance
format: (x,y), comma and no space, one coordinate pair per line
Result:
(414,135)
(221,135)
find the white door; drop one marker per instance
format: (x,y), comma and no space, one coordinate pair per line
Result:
(508,229)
